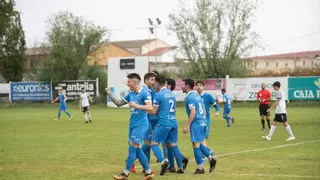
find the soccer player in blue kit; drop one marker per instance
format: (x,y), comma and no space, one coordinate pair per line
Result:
(197,126)
(63,104)
(226,100)
(166,131)
(139,100)
(208,100)
(171,85)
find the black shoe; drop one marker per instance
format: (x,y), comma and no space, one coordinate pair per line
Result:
(213,163)
(90,121)
(170,169)
(121,176)
(164,168)
(185,162)
(86,122)
(143,171)
(198,171)
(228,125)
(180,171)
(148,176)
(158,161)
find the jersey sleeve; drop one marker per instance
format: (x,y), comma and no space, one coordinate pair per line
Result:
(211,99)
(146,96)
(156,100)
(279,95)
(191,103)
(126,98)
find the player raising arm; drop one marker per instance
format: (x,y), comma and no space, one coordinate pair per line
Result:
(139,100)
(281,113)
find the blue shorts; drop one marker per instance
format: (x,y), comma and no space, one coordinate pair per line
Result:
(198,131)
(63,107)
(151,125)
(137,132)
(165,134)
(227,111)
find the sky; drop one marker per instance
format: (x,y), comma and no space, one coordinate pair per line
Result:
(283,25)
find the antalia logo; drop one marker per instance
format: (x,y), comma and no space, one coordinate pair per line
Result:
(31,87)
(77,86)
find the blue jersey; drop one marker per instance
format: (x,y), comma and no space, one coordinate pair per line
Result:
(62,97)
(227,99)
(208,100)
(138,116)
(152,93)
(194,101)
(166,100)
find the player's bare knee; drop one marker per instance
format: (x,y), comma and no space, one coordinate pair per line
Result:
(285,124)
(274,123)
(170,145)
(196,145)
(135,144)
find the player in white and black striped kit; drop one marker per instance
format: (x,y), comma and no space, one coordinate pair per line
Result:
(85,105)
(281,113)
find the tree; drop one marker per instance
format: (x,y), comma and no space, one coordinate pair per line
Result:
(214,36)
(69,41)
(12,42)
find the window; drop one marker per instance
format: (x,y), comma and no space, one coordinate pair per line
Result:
(304,63)
(286,65)
(295,64)
(277,65)
(255,65)
(267,64)
(312,64)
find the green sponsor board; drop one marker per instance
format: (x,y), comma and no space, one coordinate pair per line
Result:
(304,88)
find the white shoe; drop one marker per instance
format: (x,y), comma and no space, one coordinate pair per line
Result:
(267,138)
(291,138)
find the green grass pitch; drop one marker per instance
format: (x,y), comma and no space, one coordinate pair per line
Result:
(35,147)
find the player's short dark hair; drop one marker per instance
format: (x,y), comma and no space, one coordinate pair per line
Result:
(156,72)
(277,84)
(223,90)
(134,76)
(161,80)
(172,83)
(148,76)
(82,88)
(200,82)
(189,82)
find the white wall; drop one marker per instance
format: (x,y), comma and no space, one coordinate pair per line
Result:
(117,79)
(5,88)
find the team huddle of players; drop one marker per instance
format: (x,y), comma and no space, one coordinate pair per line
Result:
(153,121)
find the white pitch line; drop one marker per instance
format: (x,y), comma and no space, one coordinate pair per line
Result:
(268,175)
(254,150)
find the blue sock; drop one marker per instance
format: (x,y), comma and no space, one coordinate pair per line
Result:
(68,113)
(171,157)
(143,159)
(205,150)
(157,152)
(178,156)
(197,155)
(146,150)
(131,158)
(165,150)
(227,119)
(59,114)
